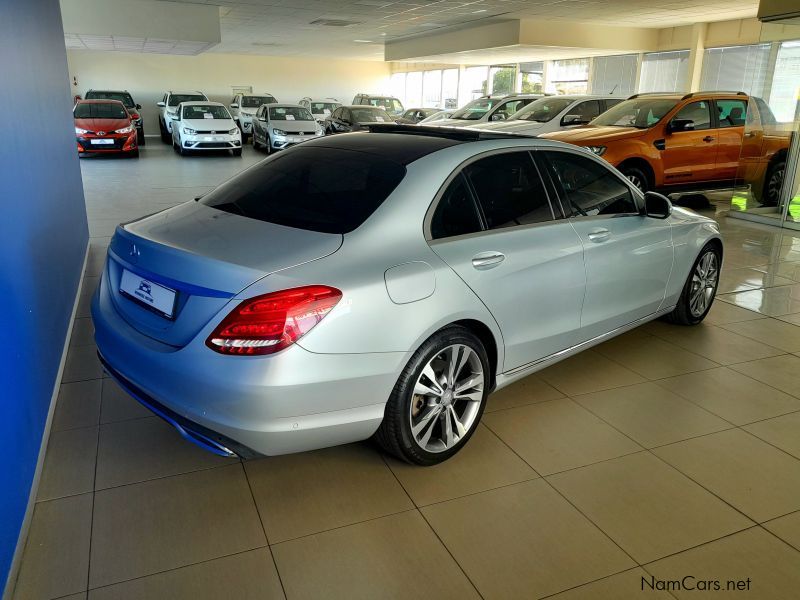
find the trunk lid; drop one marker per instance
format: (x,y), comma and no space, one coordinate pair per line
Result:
(206,256)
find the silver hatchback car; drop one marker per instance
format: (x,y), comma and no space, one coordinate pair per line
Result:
(384,284)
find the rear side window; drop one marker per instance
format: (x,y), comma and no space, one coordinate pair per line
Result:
(456,213)
(509,190)
(732,113)
(590,188)
(317,189)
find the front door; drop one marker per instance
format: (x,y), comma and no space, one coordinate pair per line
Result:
(690,155)
(525,265)
(628,256)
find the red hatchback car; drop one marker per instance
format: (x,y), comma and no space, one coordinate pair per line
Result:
(103,126)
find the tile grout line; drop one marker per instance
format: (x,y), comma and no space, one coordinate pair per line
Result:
(178,568)
(419,511)
(557,491)
(263,528)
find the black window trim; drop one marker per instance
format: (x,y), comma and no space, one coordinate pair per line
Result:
(638,198)
(426,223)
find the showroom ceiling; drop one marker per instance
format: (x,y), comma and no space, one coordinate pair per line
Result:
(358,28)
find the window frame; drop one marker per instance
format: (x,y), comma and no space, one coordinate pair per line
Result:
(712,115)
(716,111)
(561,195)
(485,230)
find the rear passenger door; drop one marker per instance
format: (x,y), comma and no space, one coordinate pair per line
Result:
(731,117)
(495,227)
(628,256)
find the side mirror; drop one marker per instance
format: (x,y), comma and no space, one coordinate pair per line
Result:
(161,104)
(138,107)
(498,117)
(573,120)
(680,125)
(657,206)
(235,105)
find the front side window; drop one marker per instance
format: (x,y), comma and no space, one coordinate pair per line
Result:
(331,190)
(583,112)
(101,110)
(641,113)
(205,111)
(509,190)
(475,109)
(289,113)
(456,213)
(505,110)
(590,188)
(176,99)
(255,101)
(699,113)
(543,109)
(732,113)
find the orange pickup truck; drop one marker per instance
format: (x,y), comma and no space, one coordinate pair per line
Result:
(703,140)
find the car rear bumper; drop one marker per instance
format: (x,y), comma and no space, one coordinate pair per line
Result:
(291,401)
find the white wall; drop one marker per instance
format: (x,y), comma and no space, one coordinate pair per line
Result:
(148,76)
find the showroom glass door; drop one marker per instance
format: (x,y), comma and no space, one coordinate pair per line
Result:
(767,187)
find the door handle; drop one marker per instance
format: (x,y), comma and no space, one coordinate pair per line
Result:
(708,138)
(599,235)
(487,260)
(750,134)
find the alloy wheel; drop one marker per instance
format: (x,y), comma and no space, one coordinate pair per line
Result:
(774,185)
(704,284)
(636,181)
(447,398)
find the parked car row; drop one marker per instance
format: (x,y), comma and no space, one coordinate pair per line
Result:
(666,142)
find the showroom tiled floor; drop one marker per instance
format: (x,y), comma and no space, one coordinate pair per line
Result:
(667,452)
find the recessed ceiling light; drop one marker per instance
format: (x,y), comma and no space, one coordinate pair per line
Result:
(363,41)
(475,12)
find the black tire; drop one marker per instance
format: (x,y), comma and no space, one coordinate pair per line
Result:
(165,135)
(637,177)
(237,152)
(394,434)
(683,315)
(773,183)
(182,151)
(256,144)
(134,153)
(140,137)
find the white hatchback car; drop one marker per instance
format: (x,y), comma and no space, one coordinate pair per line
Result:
(321,109)
(552,113)
(243,107)
(205,126)
(168,108)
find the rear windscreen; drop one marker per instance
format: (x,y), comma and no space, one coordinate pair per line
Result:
(329,190)
(100,110)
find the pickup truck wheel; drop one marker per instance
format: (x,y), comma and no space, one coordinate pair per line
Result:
(773,183)
(637,177)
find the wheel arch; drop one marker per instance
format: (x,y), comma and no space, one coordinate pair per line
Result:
(485,335)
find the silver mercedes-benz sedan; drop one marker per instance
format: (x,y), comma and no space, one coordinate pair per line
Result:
(384,284)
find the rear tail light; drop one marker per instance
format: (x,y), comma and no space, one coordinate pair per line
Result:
(269,323)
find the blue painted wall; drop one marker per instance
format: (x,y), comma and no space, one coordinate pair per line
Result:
(43,237)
